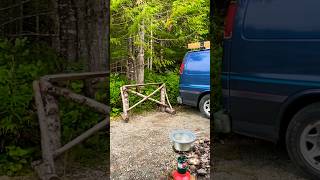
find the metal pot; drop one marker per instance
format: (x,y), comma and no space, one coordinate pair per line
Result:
(182,139)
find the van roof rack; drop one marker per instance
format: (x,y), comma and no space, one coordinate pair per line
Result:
(199,45)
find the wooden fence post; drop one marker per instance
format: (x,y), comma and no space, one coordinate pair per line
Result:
(52,115)
(53,121)
(163,98)
(125,103)
(46,169)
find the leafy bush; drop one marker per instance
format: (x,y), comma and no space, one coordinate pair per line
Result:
(15,159)
(20,63)
(216,80)
(116,81)
(75,119)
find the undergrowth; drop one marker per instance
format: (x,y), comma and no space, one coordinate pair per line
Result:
(171,79)
(21,62)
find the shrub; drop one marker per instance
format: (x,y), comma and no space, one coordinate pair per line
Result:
(216,80)
(171,79)
(20,63)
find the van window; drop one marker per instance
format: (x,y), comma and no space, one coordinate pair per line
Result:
(282,19)
(198,61)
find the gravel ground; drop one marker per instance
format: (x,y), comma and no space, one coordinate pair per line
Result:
(239,157)
(141,148)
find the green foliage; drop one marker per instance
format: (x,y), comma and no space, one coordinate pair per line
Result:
(171,79)
(116,81)
(20,63)
(216,80)
(76,118)
(15,159)
(190,17)
(168,24)
(216,58)
(218,27)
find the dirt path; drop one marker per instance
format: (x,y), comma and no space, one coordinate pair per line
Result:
(141,148)
(246,158)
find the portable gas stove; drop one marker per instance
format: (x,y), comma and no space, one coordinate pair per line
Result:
(182,142)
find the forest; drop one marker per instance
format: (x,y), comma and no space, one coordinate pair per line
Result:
(149,39)
(145,40)
(41,37)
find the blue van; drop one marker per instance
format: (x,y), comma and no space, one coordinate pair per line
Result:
(194,86)
(271,76)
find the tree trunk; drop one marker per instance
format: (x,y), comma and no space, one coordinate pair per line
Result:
(55,25)
(161,52)
(140,59)
(131,61)
(68,31)
(151,49)
(96,38)
(21,20)
(97,22)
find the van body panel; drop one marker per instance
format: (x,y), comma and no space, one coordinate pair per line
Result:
(266,63)
(195,78)
(291,100)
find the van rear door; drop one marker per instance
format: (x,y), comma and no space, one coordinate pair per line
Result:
(195,78)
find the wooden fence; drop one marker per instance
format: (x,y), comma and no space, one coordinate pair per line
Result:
(46,97)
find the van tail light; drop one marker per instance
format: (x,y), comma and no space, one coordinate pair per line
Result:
(229,20)
(182,67)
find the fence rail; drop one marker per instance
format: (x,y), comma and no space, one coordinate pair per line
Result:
(46,97)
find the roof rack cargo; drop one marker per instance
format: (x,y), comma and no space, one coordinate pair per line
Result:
(199,45)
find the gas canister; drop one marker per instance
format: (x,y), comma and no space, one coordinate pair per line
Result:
(181,173)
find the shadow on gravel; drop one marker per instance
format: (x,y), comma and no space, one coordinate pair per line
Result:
(239,157)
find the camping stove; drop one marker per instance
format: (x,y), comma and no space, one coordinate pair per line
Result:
(182,142)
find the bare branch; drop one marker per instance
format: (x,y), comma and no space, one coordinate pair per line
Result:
(14,5)
(24,17)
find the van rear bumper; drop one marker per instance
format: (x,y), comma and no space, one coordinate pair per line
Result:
(179,100)
(189,97)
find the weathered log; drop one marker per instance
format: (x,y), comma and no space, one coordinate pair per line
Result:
(125,103)
(125,117)
(102,108)
(82,137)
(170,110)
(53,121)
(168,100)
(46,170)
(163,98)
(52,117)
(135,85)
(145,98)
(75,76)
